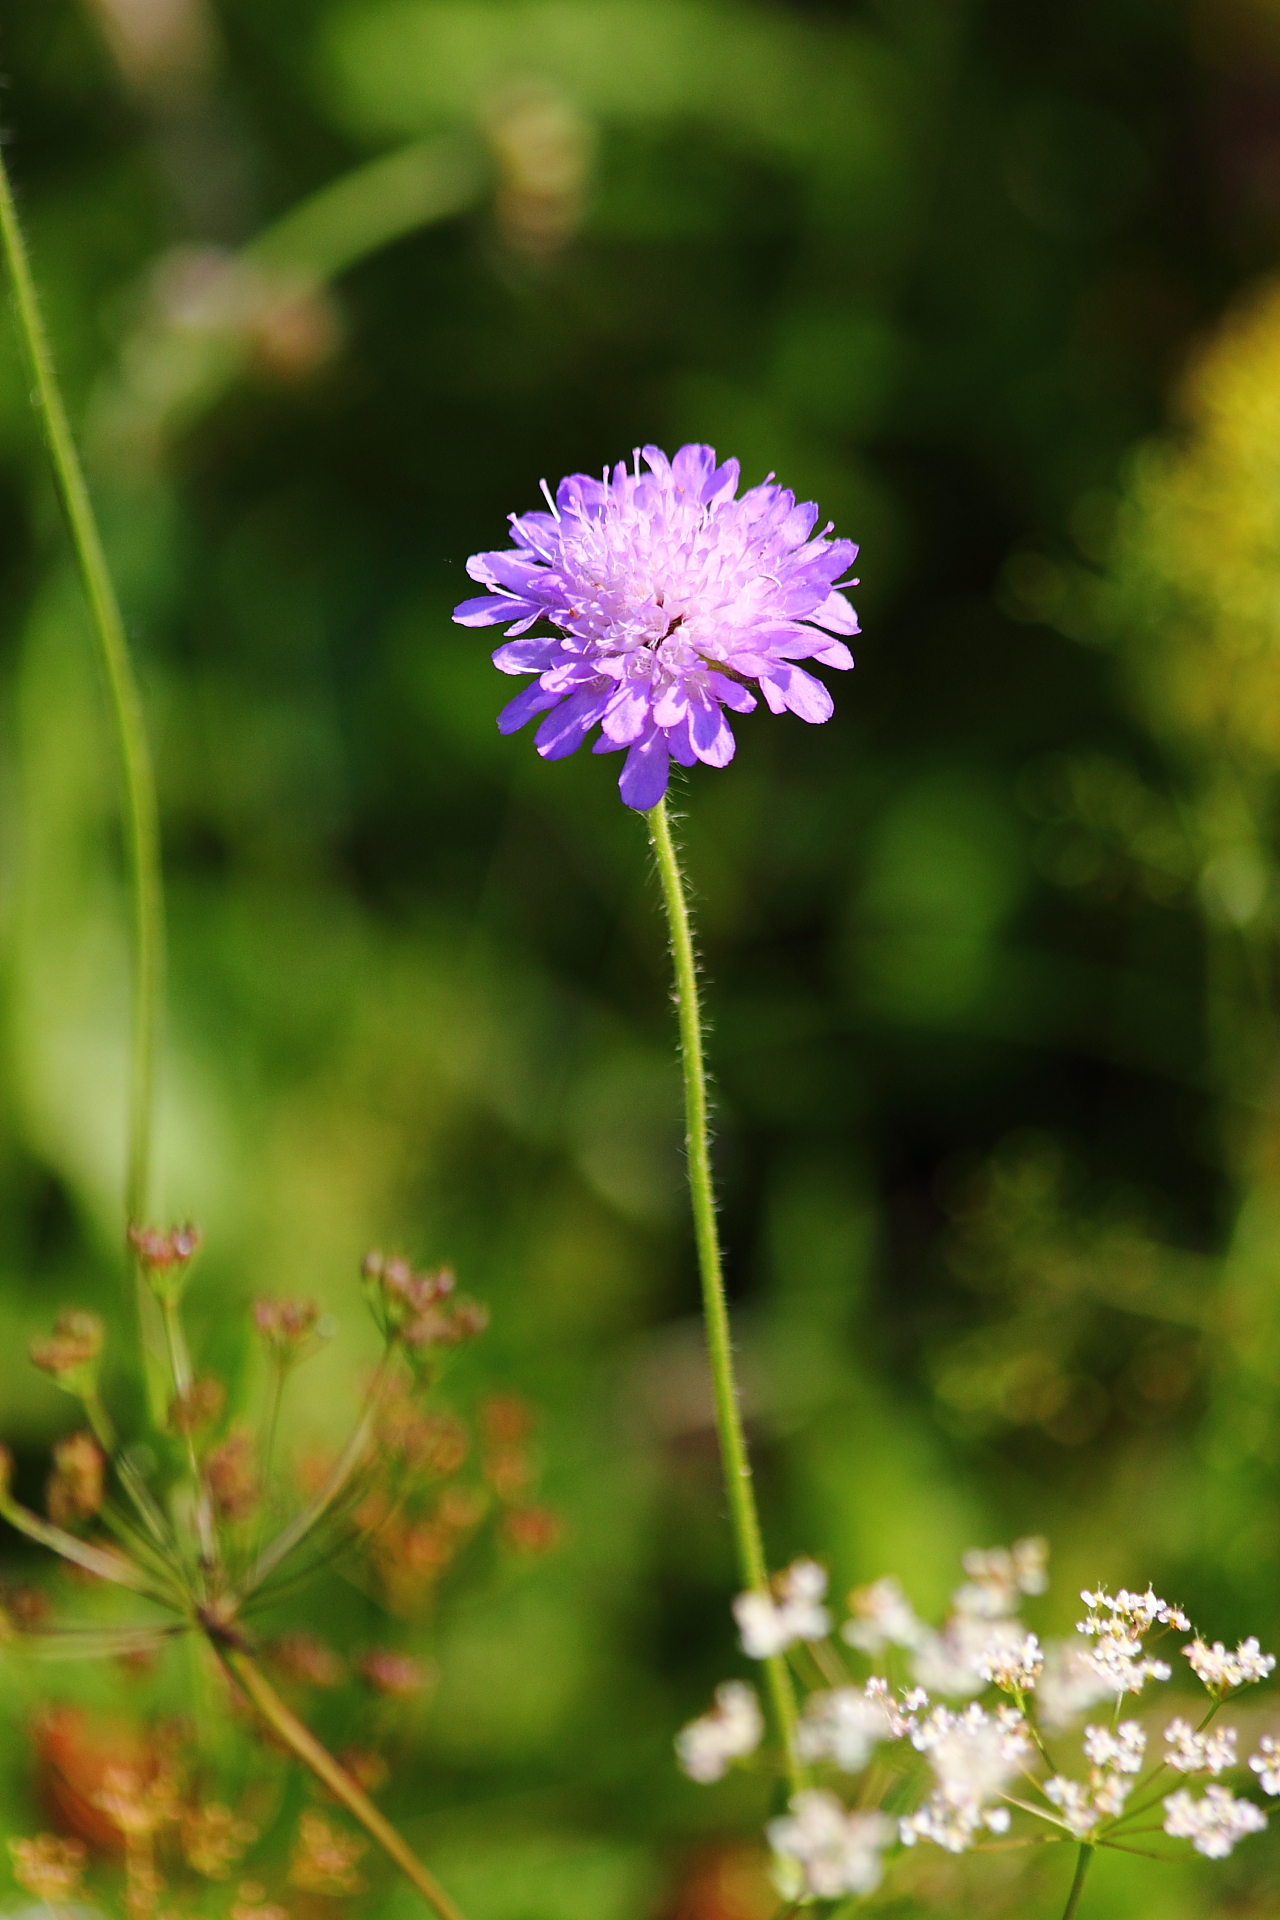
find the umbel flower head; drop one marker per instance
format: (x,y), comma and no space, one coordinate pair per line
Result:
(669,596)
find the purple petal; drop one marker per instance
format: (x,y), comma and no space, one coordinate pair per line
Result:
(530,700)
(798,690)
(835,655)
(526,656)
(491,611)
(709,731)
(564,731)
(671,704)
(643,779)
(731,693)
(836,615)
(629,712)
(680,743)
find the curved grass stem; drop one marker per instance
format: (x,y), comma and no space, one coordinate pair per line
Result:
(736,1461)
(141,824)
(303,1743)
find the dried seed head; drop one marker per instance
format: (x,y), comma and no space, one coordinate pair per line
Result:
(75,1490)
(392,1673)
(303,1658)
(232,1473)
(71,1352)
(48,1867)
(324,1858)
(214,1839)
(165,1256)
(199,1408)
(287,1325)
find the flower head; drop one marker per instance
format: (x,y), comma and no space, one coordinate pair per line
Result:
(824,1852)
(1266,1764)
(1221,1672)
(972,1754)
(733,1729)
(668,595)
(768,1625)
(1212,1824)
(1192,1752)
(842,1726)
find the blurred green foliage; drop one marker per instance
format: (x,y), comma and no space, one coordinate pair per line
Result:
(333,283)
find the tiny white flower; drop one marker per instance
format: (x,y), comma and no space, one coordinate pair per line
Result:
(733,1728)
(1212,1824)
(768,1625)
(1121,1751)
(882,1616)
(998,1576)
(1266,1763)
(1222,1672)
(973,1754)
(1069,1685)
(1013,1668)
(1192,1752)
(825,1852)
(844,1725)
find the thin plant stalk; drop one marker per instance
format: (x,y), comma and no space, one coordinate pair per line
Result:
(326,1769)
(1083,1858)
(736,1461)
(143,841)
(141,820)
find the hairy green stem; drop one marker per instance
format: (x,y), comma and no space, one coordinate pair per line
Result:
(1083,1858)
(308,1749)
(733,1445)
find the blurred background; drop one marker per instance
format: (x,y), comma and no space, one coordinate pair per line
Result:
(991,956)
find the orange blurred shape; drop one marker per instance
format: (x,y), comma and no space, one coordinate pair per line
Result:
(75,1751)
(729,1882)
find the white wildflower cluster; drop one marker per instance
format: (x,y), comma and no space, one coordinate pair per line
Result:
(1084,1805)
(982,1641)
(824,1853)
(733,1729)
(1068,1687)
(1187,1751)
(1214,1823)
(1121,1751)
(842,1726)
(1266,1764)
(882,1616)
(1222,1672)
(1013,1666)
(1118,1625)
(770,1623)
(973,1754)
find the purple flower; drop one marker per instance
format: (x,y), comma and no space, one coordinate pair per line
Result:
(668,596)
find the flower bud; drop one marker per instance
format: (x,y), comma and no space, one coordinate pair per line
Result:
(289,1327)
(231,1471)
(165,1257)
(76,1485)
(397,1674)
(71,1352)
(199,1407)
